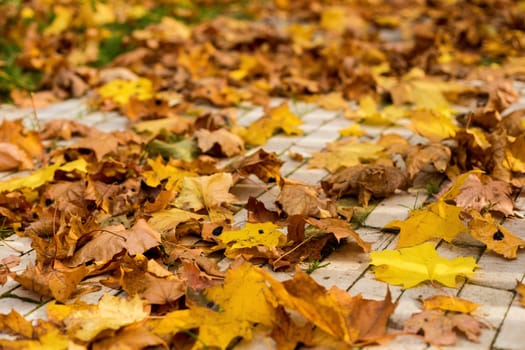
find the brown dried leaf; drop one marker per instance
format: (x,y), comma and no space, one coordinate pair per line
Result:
(438,328)
(496,237)
(300,199)
(340,229)
(481,193)
(219,142)
(366,181)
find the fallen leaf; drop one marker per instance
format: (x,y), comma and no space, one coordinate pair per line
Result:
(57,281)
(334,311)
(300,199)
(449,303)
(207,192)
(219,142)
(438,328)
(437,220)
(410,266)
(480,192)
(342,155)
(120,91)
(112,240)
(365,181)
(275,119)
(134,336)
(497,238)
(111,313)
(340,229)
(432,124)
(13,157)
(15,324)
(252,235)
(520,289)
(427,158)
(266,166)
(41,176)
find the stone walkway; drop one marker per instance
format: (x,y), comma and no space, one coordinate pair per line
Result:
(348,269)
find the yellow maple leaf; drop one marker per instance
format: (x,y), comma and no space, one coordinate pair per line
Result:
(369,113)
(432,124)
(169,219)
(41,176)
(449,303)
(51,339)
(247,64)
(205,192)
(410,266)
(514,155)
(62,20)
(422,91)
(438,220)
(112,312)
(233,309)
(252,235)
(274,120)
(160,171)
(120,91)
(352,130)
(347,154)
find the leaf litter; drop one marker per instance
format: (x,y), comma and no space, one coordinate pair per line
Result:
(150,210)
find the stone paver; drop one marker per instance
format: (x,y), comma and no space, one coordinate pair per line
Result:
(348,267)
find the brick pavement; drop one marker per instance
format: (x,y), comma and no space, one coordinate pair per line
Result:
(492,285)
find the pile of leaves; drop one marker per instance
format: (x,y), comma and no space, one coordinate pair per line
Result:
(150,210)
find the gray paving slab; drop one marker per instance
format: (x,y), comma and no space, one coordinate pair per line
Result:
(511,335)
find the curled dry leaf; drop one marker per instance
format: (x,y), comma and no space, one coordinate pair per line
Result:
(219,142)
(266,166)
(112,240)
(428,158)
(340,229)
(56,280)
(365,181)
(334,311)
(299,199)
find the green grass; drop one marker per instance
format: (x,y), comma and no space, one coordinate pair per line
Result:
(315,265)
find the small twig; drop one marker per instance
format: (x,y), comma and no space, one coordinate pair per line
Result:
(293,249)
(4,242)
(39,131)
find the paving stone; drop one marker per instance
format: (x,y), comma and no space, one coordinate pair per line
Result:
(493,307)
(280,143)
(497,272)
(249,117)
(371,288)
(404,342)
(394,208)
(308,176)
(320,115)
(14,245)
(22,307)
(409,301)
(511,335)
(249,187)
(345,265)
